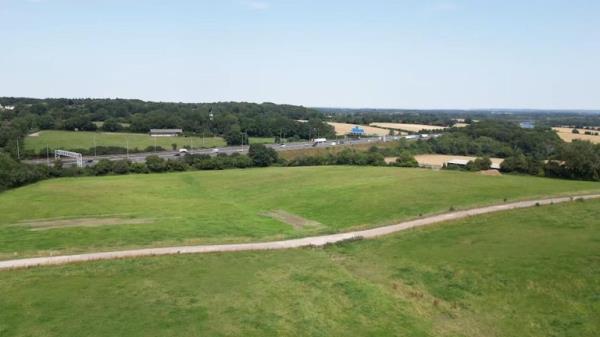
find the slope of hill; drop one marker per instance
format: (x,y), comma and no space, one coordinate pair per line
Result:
(522,273)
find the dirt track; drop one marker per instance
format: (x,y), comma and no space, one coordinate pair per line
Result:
(284,244)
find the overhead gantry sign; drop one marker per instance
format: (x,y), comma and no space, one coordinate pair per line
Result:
(63,153)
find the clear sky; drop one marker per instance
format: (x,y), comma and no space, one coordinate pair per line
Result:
(395,54)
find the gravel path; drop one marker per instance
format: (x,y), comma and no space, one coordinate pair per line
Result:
(284,244)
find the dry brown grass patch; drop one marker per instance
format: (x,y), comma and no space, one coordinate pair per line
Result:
(296,221)
(46,224)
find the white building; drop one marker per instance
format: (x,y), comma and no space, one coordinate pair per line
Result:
(165,132)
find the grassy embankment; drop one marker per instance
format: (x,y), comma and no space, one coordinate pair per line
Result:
(106,213)
(524,273)
(322,151)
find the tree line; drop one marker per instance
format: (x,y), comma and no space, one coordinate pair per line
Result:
(15,174)
(233,120)
(538,151)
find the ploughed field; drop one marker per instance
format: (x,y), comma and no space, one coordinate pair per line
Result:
(70,215)
(529,272)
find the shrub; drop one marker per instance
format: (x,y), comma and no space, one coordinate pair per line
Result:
(104,166)
(155,164)
(121,166)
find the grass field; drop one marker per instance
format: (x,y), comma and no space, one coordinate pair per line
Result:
(69,140)
(523,273)
(104,213)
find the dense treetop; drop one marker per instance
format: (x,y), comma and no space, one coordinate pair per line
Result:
(223,118)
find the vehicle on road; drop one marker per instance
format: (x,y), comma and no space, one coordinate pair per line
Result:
(318,141)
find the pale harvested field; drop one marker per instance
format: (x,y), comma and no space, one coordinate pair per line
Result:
(461,125)
(567,135)
(345,128)
(441,159)
(407,127)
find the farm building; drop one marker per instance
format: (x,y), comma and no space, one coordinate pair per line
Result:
(165,132)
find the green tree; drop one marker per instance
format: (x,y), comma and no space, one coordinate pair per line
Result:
(262,155)
(234,136)
(111,125)
(405,159)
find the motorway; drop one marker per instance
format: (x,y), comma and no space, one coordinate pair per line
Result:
(141,157)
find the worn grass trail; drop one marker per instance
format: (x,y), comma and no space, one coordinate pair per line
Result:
(529,273)
(287,244)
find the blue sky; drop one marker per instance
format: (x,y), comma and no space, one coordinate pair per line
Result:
(403,54)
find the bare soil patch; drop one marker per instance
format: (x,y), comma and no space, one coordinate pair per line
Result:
(491,172)
(35,134)
(438,160)
(296,221)
(46,224)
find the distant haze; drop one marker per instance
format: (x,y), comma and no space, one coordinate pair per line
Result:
(384,54)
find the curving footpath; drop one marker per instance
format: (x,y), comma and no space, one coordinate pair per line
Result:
(284,244)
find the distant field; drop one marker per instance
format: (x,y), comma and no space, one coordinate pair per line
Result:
(567,135)
(68,140)
(441,159)
(344,129)
(407,127)
(104,213)
(460,125)
(83,139)
(525,273)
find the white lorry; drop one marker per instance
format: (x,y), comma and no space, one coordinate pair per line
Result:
(318,141)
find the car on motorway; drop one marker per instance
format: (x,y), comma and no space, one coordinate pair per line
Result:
(215,150)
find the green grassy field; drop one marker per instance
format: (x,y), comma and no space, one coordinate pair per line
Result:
(524,273)
(230,205)
(69,140)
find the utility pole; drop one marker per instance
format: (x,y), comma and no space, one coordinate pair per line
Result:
(95,154)
(18,150)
